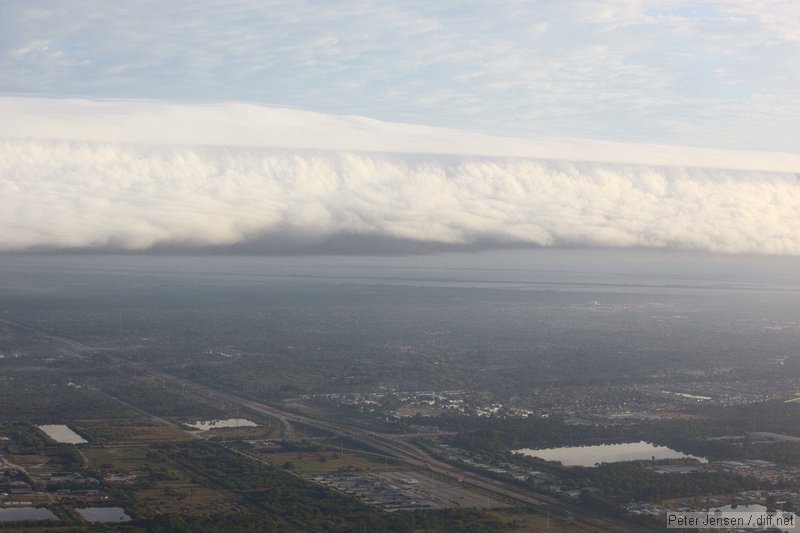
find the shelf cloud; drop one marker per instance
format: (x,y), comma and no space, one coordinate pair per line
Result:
(87,179)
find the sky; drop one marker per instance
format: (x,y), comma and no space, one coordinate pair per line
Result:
(714,73)
(141,124)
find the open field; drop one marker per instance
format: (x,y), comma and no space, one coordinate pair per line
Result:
(136,460)
(324,462)
(128,432)
(186,498)
(539,522)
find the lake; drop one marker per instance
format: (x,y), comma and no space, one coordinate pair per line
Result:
(606,453)
(749,508)
(26,513)
(104,514)
(205,425)
(61,433)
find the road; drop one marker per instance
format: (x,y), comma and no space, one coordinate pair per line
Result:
(80,350)
(389,444)
(393,447)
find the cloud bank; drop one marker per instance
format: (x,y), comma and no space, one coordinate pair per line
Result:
(70,192)
(250,125)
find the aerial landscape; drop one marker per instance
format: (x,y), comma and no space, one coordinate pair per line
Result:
(372,266)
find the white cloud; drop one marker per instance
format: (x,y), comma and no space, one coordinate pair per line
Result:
(238,124)
(303,177)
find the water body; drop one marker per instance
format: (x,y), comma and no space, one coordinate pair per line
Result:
(61,433)
(606,453)
(104,515)
(750,508)
(205,425)
(26,513)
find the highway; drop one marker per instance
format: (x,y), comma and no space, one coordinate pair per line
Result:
(391,445)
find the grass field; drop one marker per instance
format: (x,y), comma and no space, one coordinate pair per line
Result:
(129,432)
(185,497)
(325,461)
(535,522)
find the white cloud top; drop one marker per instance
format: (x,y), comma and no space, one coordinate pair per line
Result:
(134,175)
